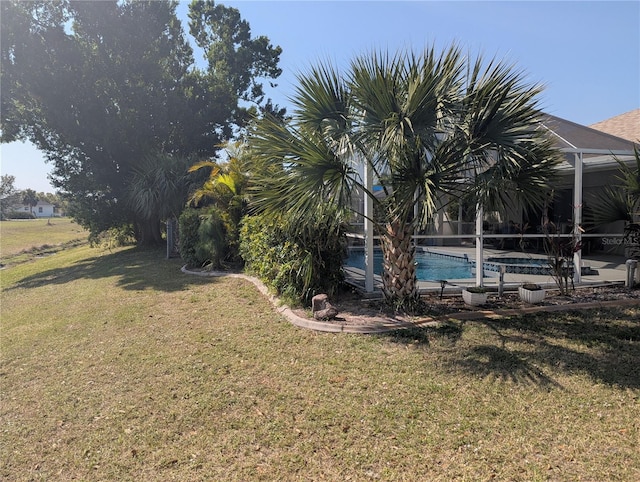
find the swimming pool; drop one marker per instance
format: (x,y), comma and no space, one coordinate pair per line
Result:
(436,266)
(429,266)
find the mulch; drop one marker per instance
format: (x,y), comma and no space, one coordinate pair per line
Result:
(355,310)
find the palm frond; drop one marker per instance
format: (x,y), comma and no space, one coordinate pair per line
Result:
(610,206)
(623,202)
(322,101)
(508,156)
(424,125)
(215,169)
(630,176)
(499,108)
(297,170)
(403,103)
(158,186)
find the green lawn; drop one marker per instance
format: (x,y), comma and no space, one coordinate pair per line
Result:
(21,239)
(116,366)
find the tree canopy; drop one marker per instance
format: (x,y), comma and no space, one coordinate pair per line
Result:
(30,198)
(9,195)
(103,88)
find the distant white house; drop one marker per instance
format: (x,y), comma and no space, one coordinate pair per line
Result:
(41,210)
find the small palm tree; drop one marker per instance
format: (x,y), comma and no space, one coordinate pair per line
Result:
(428,129)
(622,203)
(226,188)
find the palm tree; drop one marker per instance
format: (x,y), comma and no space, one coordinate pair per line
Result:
(157,191)
(428,128)
(226,188)
(622,203)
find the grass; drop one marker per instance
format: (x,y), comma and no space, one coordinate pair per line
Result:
(21,240)
(115,366)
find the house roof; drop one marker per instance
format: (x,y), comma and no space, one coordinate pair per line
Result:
(570,135)
(596,147)
(625,126)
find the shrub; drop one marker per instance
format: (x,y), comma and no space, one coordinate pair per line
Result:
(114,237)
(202,238)
(211,247)
(20,215)
(560,253)
(188,225)
(297,258)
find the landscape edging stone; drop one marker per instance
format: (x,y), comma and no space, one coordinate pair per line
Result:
(382,326)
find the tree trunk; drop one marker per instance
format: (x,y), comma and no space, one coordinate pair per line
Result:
(148,233)
(399,282)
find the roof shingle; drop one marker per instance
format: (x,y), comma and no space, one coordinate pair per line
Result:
(571,135)
(626,126)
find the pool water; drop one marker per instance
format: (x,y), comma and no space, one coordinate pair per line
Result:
(429,267)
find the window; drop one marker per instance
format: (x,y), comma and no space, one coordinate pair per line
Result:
(40,209)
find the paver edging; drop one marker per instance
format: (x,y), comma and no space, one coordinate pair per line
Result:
(383,326)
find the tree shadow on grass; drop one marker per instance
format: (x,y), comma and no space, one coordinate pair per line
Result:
(486,360)
(135,269)
(602,344)
(448,332)
(504,365)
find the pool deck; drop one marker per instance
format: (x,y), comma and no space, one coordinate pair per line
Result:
(609,269)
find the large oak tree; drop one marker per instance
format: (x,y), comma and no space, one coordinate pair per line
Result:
(104,87)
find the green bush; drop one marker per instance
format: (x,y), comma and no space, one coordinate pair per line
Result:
(188,225)
(211,247)
(115,237)
(20,215)
(202,238)
(297,258)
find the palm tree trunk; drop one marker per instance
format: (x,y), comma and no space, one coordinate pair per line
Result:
(148,233)
(399,282)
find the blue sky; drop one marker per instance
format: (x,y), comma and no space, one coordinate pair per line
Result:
(586,53)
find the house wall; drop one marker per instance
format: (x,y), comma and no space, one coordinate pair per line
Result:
(41,210)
